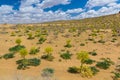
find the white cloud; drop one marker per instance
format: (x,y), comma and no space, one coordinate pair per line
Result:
(29,2)
(5,9)
(50,3)
(94,3)
(28,13)
(109,9)
(78,10)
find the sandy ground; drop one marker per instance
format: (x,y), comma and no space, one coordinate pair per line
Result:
(8,69)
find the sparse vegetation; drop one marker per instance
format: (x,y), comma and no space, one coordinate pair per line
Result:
(68,44)
(66,55)
(25,63)
(65,38)
(8,56)
(105,63)
(48,54)
(34,51)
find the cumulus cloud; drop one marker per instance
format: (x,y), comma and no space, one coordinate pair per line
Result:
(5,9)
(78,10)
(94,3)
(32,11)
(50,3)
(105,10)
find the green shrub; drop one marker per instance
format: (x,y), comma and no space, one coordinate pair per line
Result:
(42,40)
(8,56)
(101,41)
(48,54)
(104,64)
(73,69)
(47,57)
(94,70)
(30,36)
(16,48)
(93,53)
(34,50)
(82,44)
(34,62)
(89,61)
(47,72)
(25,63)
(72,29)
(22,64)
(66,55)
(116,75)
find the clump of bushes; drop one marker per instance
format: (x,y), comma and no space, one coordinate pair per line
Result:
(72,29)
(16,48)
(48,54)
(116,75)
(73,69)
(30,36)
(8,56)
(105,63)
(94,70)
(82,44)
(66,55)
(47,72)
(34,51)
(89,61)
(93,53)
(25,63)
(41,40)
(113,39)
(68,44)
(12,34)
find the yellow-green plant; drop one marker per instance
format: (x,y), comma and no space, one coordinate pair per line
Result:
(82,56)
(18,41)
(68,44)
(86,72)
(48,50)
(23,53)
(12,33)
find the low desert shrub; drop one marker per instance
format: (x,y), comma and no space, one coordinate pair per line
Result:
(105,63)
(73,69)
(30,36)
(82,44)
(42,40)
(8,56)
(86,72)
(116,75)
(47,72)
(89,61)
(47,57)
(66,55)
(34,51)
(16,48)
(93,53)
(68,44)
(94,70)
(25,63)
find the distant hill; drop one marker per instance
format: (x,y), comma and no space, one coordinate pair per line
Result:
(106,21)
(103,21)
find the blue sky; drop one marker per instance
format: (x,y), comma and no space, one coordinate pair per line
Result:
(35,11)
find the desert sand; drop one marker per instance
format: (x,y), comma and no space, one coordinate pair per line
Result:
(9,71)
